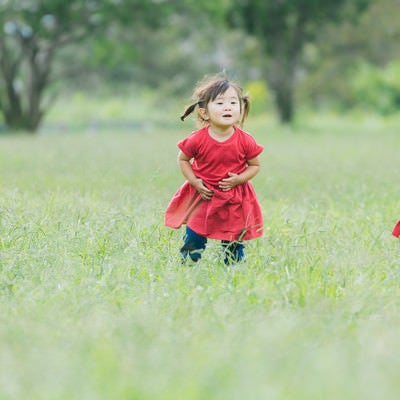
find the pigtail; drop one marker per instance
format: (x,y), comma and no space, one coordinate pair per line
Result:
(188,111)
(246,109)
(191,108)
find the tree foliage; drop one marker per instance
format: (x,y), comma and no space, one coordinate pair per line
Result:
(283,28)
(170,44)
(33,33)
(344,64)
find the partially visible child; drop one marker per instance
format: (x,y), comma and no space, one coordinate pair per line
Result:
(396,230)
(217,201)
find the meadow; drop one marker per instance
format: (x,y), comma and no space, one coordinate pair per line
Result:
(95,303)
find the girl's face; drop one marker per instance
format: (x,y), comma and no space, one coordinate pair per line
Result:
(224,110)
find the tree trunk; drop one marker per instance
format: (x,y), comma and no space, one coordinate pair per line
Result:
(282,86)
(285,103)
(281,79)
(18,118)
(22,106)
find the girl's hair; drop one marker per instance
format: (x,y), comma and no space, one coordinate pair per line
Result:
(209,89)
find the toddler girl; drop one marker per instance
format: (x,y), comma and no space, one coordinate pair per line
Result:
(217,201)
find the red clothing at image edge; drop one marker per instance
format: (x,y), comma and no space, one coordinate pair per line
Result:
(232,215)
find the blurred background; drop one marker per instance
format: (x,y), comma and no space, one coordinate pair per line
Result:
(128,63)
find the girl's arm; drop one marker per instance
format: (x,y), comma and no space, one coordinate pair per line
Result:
(253,166)
(187,171)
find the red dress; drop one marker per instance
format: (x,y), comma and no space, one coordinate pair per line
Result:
(232,215)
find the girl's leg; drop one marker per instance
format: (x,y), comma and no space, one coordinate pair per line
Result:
(233,251)
(193,245)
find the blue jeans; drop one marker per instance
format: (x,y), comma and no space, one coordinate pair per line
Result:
(195,244)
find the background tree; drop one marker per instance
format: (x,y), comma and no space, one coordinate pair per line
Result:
(35,31)
(305,47)
(33,34)
(283,28)
(354,66)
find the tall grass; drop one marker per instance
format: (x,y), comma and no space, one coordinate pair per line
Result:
(95,303)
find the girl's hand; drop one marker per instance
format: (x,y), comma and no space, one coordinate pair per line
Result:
(205,193)
(228,183)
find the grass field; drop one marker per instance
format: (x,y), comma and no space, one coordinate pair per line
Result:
(95,303)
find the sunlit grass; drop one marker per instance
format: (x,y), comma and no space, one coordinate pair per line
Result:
(95,303)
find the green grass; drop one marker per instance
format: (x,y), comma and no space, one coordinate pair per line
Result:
(95,304)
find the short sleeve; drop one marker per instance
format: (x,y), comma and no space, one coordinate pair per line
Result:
(187,147)
(253,149)
(190,144)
